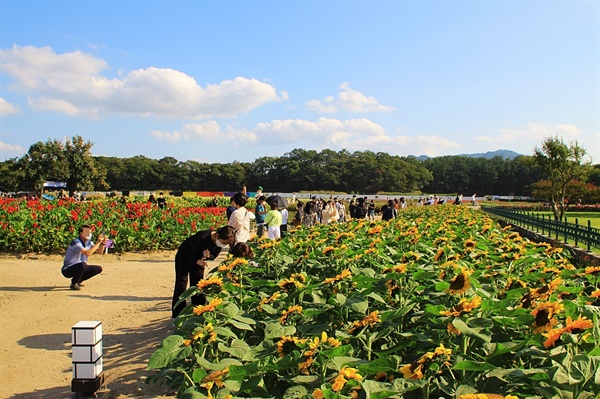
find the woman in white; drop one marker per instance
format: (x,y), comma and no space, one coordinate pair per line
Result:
(330,213)
(240,218)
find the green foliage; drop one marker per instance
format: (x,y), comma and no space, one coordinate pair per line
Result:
(437,303)
(561,163)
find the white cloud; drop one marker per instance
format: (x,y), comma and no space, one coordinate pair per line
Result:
(11,148)
(348,100)
(535,132)
(72,83)
(7,108)
(351,134)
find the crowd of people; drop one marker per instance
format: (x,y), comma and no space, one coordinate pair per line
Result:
(270,217)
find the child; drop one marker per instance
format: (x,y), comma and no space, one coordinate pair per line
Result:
(273,221)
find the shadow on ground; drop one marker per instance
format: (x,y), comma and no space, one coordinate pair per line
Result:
(126,353)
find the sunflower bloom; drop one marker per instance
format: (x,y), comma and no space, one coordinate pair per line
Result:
(233,264)
(202,284)
(289,283)
(464,306)
(544,316)
(452,330)
(346,373)
(344,274)
(369,320)
(577,326)
(317,394)
(595,294)
(592,270)
(214,378)
(288,344)
(552,337)
(304,366)
(291,310)
(375,242)
(460,284)
(270,299)
(401,268)
(376,230)
(200,309)
(412,371)
(469,244)
(439,254)
(326,250)
(392,286)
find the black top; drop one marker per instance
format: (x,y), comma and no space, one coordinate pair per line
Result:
(193,247)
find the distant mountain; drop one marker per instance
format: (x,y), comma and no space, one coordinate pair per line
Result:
(506,154)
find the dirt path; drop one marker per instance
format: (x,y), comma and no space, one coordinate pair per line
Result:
(37,310)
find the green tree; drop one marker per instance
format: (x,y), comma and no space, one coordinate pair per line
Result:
(561,163)
(83,174)
(70,162)
(45,161)
(12,175)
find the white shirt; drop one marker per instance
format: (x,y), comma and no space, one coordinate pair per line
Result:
(240,221)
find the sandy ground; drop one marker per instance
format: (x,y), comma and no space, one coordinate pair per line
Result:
(131,297)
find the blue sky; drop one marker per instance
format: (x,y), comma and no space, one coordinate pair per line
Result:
(224,81)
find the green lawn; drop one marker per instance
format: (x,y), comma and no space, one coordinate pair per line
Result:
(583,217)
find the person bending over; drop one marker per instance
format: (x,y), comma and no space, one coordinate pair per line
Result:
(80,249)
(191,259)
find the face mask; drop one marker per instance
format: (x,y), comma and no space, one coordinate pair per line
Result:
(220,244)
(89,238)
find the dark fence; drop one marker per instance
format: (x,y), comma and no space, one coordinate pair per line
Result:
(582,235)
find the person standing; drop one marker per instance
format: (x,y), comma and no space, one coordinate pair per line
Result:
(240,218)
(161,201)
(80,249)
(273,221)
(260,211)
(330,213)
(191,259)
(388,211)
(230,209)
(371,211)
(284,220)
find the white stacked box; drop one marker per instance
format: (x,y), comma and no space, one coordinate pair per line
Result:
(87,350)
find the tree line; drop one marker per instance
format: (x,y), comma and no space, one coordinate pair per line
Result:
(298,170)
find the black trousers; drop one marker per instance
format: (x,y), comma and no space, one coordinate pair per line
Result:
(81,272)
(185,270)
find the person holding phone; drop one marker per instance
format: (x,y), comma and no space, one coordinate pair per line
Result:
(79,250)
(191,259)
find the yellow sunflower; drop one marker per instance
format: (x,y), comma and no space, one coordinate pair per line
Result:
(543,314)
(412,371)
(460,284)
(288,312)
(577,326)
(200,309)
(288,344)
(369,320)
(592,270)
(214,378)
(464,306)
(326,250)
(202,284)
(344,274)
(469,244)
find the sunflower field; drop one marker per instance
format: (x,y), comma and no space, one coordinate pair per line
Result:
(439,303)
